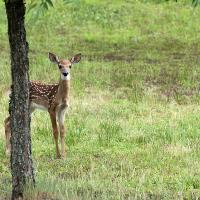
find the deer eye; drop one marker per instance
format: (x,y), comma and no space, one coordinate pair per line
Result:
(70,66)
(60,66)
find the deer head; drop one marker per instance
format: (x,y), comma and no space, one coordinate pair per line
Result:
(64,65)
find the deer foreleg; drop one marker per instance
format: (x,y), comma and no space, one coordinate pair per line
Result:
(55,132)
(61,119)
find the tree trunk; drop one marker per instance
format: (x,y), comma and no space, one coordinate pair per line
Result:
(21,160)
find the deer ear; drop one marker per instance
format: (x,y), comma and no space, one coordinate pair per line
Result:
(53,58)
(76,58)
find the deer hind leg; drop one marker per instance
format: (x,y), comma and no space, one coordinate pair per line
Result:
(7,135)
(61,119)
(55,132)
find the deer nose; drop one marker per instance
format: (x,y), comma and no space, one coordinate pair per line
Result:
(65,74)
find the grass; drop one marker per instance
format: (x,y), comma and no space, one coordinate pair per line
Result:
(133,122)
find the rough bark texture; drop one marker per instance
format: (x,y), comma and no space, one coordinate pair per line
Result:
(21,160)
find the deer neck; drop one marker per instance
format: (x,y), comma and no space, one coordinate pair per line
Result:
(64,87)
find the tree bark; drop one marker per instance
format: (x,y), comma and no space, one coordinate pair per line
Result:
(21,160)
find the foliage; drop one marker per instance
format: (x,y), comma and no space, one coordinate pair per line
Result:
(195,2)
(40,7)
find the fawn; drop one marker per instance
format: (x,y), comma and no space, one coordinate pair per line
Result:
(53,98)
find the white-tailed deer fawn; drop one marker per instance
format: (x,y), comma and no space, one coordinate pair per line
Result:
(53,98)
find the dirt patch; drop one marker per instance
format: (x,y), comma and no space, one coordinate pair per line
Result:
(115,57)
(42,196)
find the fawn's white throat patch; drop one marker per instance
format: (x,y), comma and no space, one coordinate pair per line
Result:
(65,77)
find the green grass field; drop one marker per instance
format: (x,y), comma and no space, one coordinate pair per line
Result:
(133,126)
